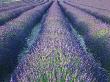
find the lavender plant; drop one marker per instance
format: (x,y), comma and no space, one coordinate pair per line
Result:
(17,4)
(11,14)
(96,33)
(90,3)
(11,5)
(104,16)
(57,55)
(13,36)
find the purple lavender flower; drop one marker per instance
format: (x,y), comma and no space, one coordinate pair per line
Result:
(99,13)
(96,33)
(57,34)
(13,34)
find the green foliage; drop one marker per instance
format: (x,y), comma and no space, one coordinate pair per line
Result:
(53,68)
(102,33)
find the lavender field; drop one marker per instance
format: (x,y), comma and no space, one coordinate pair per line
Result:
(55,41)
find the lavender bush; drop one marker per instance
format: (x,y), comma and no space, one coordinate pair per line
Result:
(11,14)
(96,4)
(96,33)
(13,35)
(58,55)
(12,5)
(104,16)
(17,4)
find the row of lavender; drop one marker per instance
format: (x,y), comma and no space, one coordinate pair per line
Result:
(100,4)
(16,4)
(102,14)
(13,13)
(13,36)
(58,55)
(96,33)
(12,5)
